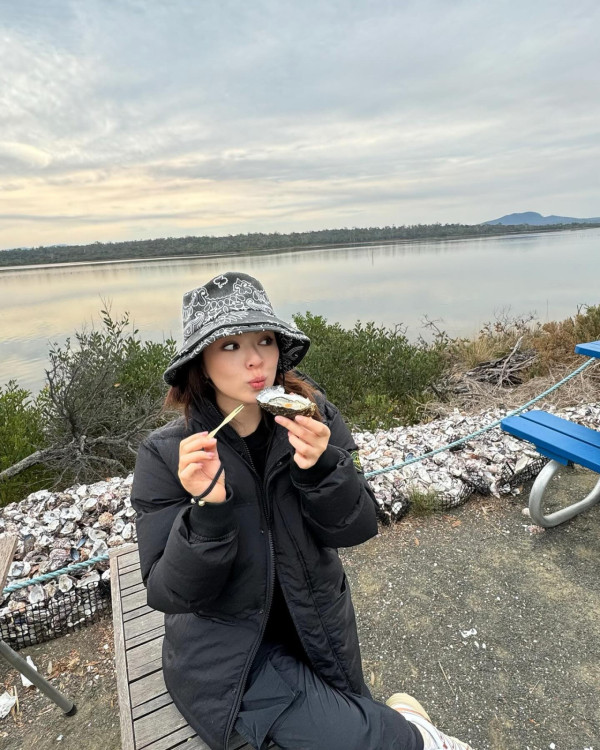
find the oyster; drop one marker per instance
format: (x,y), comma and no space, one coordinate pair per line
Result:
(276,401)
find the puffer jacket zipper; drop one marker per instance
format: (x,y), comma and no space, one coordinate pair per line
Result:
(271,573)
(283,591)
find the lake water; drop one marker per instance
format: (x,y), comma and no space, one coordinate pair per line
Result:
(458,283)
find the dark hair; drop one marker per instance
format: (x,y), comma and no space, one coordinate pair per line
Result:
(193,386)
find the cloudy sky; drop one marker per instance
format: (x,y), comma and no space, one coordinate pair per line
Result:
(131,119)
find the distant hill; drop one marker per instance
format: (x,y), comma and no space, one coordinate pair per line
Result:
(537,220)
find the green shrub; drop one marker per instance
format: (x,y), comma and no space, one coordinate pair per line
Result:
(373,374)
(21,433)
(103,392)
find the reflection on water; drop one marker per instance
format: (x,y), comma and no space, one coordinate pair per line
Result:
(460,283)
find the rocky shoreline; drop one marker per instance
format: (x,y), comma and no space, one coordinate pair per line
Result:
(56,529)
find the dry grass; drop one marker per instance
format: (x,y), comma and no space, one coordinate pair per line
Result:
(495,340)
(582,389)
(554,342)
(423,502)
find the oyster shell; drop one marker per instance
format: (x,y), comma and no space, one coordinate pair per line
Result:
(276,401)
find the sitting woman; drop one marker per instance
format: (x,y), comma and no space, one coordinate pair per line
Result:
(238,535)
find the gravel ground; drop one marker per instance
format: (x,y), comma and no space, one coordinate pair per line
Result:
(528,679)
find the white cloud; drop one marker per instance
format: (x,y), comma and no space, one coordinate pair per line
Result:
(23,153)
(285,115)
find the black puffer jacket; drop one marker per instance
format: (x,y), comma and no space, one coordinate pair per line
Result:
(216,585)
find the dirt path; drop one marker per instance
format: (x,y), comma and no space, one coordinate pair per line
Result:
(81,665)
(528,679)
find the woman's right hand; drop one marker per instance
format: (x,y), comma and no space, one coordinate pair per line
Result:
(198,464)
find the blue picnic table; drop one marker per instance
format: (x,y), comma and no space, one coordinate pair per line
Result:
(564,443)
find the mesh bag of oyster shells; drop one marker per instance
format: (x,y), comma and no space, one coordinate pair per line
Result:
(40,613)
(58,531)
(486,463)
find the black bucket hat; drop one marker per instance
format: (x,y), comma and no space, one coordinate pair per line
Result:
(227,305)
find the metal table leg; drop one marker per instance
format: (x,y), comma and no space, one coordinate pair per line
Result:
(40,682)
(562,515)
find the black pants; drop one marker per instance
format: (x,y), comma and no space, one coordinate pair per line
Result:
(286,703)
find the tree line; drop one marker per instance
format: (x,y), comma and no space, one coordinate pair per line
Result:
(256,242)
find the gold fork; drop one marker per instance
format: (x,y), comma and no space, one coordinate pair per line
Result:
(227,419)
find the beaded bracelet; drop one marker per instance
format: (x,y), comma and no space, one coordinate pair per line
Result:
(197,499)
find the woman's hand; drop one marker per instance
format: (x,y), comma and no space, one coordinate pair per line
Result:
(308,437)
(198,464)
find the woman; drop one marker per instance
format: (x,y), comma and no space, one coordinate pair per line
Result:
(238,535)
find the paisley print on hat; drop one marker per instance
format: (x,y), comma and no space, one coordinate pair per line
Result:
(230,304)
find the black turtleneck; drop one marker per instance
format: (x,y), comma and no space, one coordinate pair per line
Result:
(280,627)
(257,443)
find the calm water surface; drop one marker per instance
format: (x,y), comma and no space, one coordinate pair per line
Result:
(459,283)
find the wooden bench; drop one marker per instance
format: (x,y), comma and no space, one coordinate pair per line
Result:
(149,719)
(563,442)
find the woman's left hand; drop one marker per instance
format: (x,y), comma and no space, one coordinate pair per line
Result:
(308,437)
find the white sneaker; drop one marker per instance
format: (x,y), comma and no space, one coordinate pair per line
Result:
(414,712)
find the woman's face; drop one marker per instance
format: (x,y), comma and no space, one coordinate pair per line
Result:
(241,366)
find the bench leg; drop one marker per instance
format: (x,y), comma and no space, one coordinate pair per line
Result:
(18,662)
(560,516)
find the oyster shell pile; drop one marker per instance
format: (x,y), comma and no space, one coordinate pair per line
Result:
(276,401)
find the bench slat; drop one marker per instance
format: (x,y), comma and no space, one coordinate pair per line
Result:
(150,635)
(125,555)
(128,552)
(142,624)
(133,565)
(160,723)
(553,444)
(142,659)
(137,671)
(130,579)
(184,738)
(135,600)
(147,689)
(135,589)
(564,427)
(126,719)
(149,706)
(139,612)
